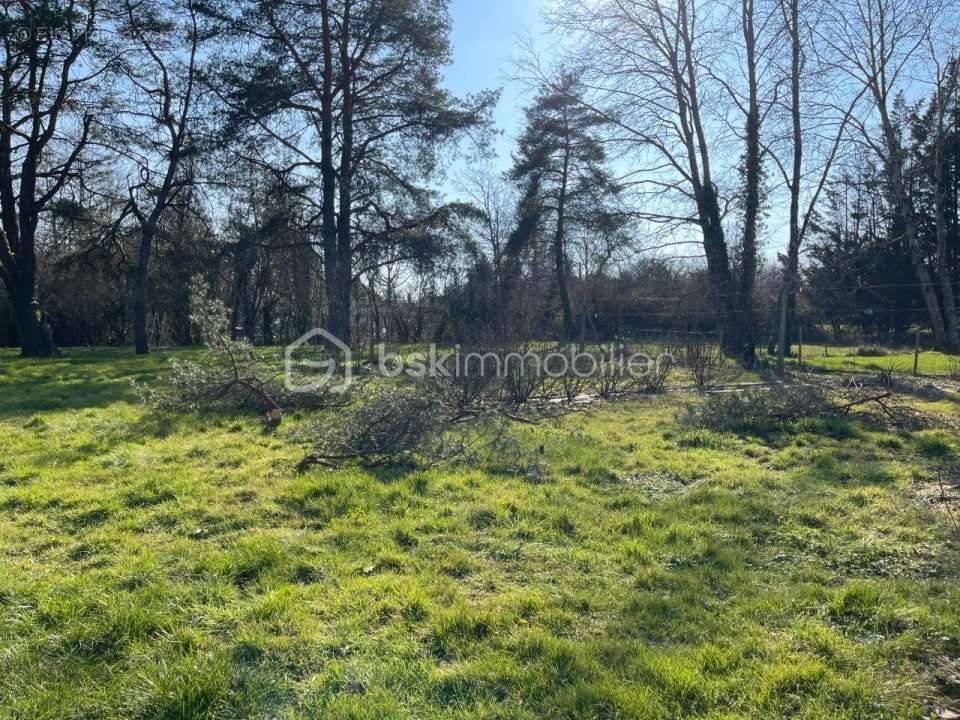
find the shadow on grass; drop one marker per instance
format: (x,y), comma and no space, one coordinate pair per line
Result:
(79,378)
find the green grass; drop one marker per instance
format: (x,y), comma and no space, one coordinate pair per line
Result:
(846,358)
(183,569)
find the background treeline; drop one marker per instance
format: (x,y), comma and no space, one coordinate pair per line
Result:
(682,167)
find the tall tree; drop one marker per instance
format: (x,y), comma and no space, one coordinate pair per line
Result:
(648,66)
(350,91)
(817,114)
(878,44)
(944,124)
(161,73)
(561,163)
(47,70)
(752,173)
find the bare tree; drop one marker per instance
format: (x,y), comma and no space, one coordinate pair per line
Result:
(495,200)
(155,133)
(878,45)
(818,117)
(48,66)
(647,69)
(944,125)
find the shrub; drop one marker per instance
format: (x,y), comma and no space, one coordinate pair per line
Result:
(888,376)
(756,411)
(870,352)
(655,379)
(462,390)
(227,374)
(953,367)
(611,379)
(704,361)
(563,378)
(389,423)
(523,376)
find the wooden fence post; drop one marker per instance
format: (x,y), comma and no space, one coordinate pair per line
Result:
(916,356)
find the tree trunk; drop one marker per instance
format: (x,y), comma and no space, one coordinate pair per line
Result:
(943,259)
(328,179)
(718,270)
(250,322)
(894,168)
(793,250)
(793,272)
(141,281)
(303,313)
(946,283)
(268,337)
(35,337)
(344,287)
(343,276)
(377,322)
(559,252)
(751,206)
(566,309)
(20,279)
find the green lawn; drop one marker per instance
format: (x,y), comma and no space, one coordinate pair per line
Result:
(184,569)
(900,360)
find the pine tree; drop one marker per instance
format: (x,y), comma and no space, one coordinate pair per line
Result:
(561,167)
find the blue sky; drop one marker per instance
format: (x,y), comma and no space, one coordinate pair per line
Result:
(484,38)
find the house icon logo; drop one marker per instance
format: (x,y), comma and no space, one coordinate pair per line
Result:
(320,374)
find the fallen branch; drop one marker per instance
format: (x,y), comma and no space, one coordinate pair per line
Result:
(228,374)
(518,418)
(863,401)
(946,505)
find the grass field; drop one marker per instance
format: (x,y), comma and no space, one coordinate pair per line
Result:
(900,360)
(154,568)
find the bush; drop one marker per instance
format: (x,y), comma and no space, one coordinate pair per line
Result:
(756,411)
(655,379)
(523,376)
(704,360)
(463,390)
(953,367)
(871,352)
(565,380)
(393,423)
(388,423)
(612,379)
(888,376)
(227,374)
